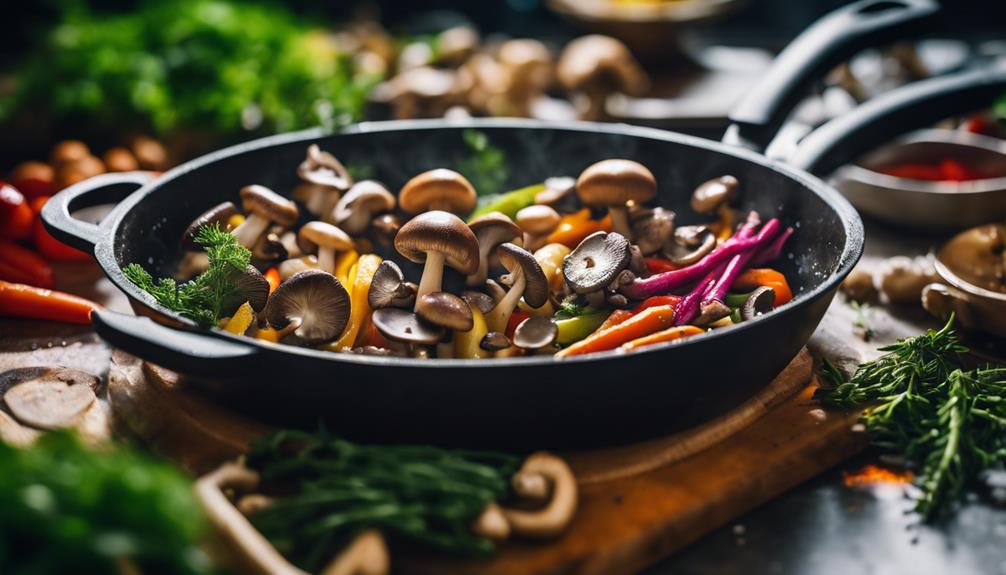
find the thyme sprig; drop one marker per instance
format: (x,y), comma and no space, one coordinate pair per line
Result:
(946,421)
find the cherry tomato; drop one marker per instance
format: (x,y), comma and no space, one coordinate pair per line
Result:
(16,216)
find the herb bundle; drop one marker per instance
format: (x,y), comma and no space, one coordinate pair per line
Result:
(486,168)
(201,299)
(417,494)
(949,422)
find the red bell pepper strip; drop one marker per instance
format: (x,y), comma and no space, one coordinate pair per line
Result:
(660,265)
(28,262)
(19,300)
(515,318)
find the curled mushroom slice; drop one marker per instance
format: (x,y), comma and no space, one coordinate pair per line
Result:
(494,341)
(439,189)
(355,210)
(329,240)
(559,194)
(616,184)
(263,207)
(324,179)
(491,523)
(491,230)
(310,308)
(404,326)
(596,261)
(652,229)
(388,287)
(446,310)
(527,280)
(760,301)
(49,403)
(438,238)
(714,193)
(535,332)
(557,514)
(691,243)
(218,214)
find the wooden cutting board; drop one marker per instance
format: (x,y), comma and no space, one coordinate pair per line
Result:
(638,503)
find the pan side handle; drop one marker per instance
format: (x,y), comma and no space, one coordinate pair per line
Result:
(825,44)
(889,115)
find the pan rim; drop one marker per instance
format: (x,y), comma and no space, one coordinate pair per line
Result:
(851,251)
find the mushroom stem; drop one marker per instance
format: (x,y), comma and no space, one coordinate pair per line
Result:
(479,277)
(319,200)
(620,221)
(248,232)
(433,274)
(558,513)
(500,315)
(326,259)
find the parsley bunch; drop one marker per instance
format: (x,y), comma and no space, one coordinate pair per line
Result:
(947,421)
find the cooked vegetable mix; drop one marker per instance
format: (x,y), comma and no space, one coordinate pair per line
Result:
(563,267)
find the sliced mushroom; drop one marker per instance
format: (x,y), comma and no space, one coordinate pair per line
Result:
(439,189)
(294,265)
(15,434)
(596,66)
(218,214)
(760,301)
(446,310)
(491,230)
(652,229)
(404,326)
(557,514)
(437,238)
(616,184)
(329,239)
(559,194)
(494,341)
(47,403)
(310,308)
(714,193)
(388,287)
(264,207)
(323,178)
(535,332)
(491,523)
(527,280)
(355,210)
(691,243)
(480,301)
(596,262)
(537,222)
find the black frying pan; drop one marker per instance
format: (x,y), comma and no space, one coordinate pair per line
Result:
(528,400)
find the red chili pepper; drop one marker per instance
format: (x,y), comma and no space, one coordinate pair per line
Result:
(53,249)
(28,262)
(671,300)
(515,318)
(16,216)
(660,265)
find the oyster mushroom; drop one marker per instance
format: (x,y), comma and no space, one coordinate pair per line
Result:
(652,228)
(491,230)
(595,263)
(537,222)
(438,238)
(535,332)
(559,194)
(388,287)
(526,280)
(252,287)
(264,207)
(310,308)
(439,189)
(355,210)
(323,179)
(616,184)
(593,67)
(329,241)
(445,310)
(558,512)
(690,244)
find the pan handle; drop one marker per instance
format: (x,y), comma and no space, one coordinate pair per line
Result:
(184,351)
(889,115)
(827,43)
(96,191)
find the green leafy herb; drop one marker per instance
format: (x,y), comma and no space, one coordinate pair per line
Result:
(202,298)
(950,423)
(486,168)
(570,306)
(65,508)
(418,494)
(861,323)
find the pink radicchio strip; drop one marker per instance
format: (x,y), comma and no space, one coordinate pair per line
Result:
(712,306)
(774,250)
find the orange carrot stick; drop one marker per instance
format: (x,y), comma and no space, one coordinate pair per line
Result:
(19,300)
(616,317)
(643,323)
(755,277)
(669,334)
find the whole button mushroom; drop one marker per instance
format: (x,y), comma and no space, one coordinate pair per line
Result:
(537,222)
(596,66)
(404,327)
(490,230)
(713,194)
(329,240)
(526,280)
(323,179)
(595,263)
(559,194)
(551,520)
(438,238)
(439,189)
(535,332)
(494,341)
(355,210)
(263,207)
(616,184)
(446,310)
(310,308)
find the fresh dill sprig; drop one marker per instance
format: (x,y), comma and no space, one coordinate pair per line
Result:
(202,298)
(486,168)
(948,422)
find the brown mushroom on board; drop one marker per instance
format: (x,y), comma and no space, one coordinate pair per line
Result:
(559,194)
(557,514)
(528,64)
(323,179)
(149,153)
(439,189)
(616,184)
(120,160)
(438,238)
(537,222)
(71,172)
(594,67)
(689,245)
(596,262)
(68,151)
(858,286)
(355,210)
(652,228)
(310,308)
(526,280)
(446,310)
(902,278)
(388,287)
(490,230)
(14,434)
(491,523)
(328,239)
(263,207)
(46,403)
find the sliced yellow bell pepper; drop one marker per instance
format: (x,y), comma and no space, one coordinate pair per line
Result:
(466,343)
(268,334)
(235,221)
(359,278)
(241,320)
(344,264)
